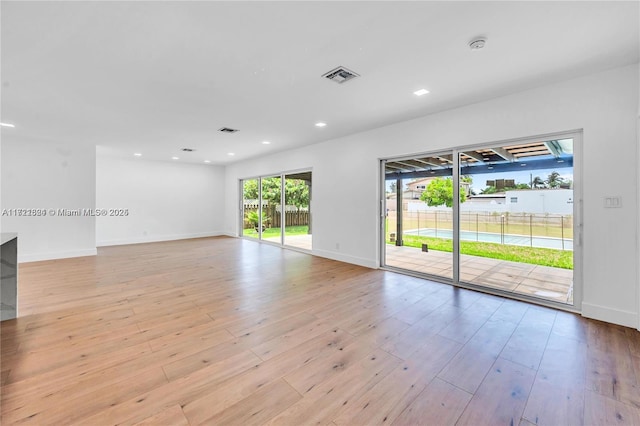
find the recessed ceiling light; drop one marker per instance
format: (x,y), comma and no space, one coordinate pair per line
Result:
(207,161)
(175,158)
(265,142)
(421,92)
(137,154)
(321,124)
(231,154)
(6,125)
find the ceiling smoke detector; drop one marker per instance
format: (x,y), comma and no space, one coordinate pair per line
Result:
(340,75)
(477,43)
(227,130)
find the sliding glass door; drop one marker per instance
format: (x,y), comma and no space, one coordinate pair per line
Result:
(500,217)
(277,209)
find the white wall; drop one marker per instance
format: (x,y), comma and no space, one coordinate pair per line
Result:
(538,201)
(165,201)
(553,201)
(604,105)
(47,175)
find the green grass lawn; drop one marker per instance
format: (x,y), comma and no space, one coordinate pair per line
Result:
(531,255)
(274,232)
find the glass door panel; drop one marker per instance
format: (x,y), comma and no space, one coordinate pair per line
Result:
(516,220)
(297,210)
(271,206)
(250,208)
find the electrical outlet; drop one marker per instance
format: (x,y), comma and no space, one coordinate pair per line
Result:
(612,202)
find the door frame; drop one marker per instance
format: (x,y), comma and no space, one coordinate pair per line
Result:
(578,218)
(282,176)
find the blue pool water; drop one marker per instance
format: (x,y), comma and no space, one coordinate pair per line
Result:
(491,237)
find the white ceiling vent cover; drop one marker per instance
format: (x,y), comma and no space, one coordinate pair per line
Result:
(340,75)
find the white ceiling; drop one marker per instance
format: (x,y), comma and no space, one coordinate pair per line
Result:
(155,77)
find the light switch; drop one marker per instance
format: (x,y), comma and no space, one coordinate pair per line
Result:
(612,202)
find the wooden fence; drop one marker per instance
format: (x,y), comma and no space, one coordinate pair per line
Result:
(273,219)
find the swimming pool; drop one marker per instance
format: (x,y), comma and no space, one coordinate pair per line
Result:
(492,237)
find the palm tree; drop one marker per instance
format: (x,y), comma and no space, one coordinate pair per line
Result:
(538,182)
(554,180)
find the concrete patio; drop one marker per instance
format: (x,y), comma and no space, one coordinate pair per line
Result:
(298,241)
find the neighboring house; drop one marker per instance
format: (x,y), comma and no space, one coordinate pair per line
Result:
(419,185)
(536,201)
(413,192)
(411,196)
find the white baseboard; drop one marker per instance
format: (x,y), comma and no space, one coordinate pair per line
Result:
(157,238)
(37,257)
(367,263)
(615,316)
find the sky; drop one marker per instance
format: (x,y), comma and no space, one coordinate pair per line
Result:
(479,181)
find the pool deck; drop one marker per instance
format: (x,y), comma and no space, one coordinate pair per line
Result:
(544,282)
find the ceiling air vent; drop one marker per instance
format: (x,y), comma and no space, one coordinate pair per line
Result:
(227,130)
(187,149)
(340,75)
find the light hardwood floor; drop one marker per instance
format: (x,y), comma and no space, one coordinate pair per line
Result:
(226,331)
